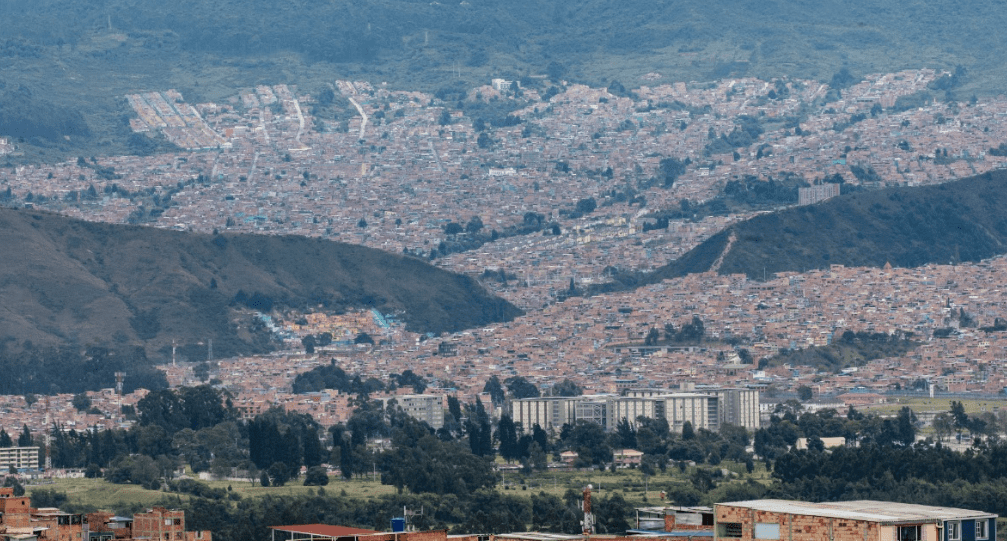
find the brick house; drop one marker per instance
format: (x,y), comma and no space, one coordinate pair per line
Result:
(865,520)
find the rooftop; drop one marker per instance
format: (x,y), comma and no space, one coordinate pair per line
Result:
(324,530)
(868,510)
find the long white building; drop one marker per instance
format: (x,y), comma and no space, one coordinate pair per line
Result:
(21,458)
(707,409)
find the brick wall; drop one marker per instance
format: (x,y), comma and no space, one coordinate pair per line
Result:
(16,510)
(433,535)
(800,527)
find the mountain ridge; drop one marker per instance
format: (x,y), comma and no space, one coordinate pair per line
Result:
(960,221)
(67,281)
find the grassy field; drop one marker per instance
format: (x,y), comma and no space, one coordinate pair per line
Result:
(935,404)
(630,483)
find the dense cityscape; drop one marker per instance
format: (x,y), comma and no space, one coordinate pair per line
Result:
(542,190)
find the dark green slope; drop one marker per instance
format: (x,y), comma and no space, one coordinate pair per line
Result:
(955,222)
(70,282)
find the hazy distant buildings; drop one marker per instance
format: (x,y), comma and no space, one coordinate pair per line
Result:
(817,193)
(503,84)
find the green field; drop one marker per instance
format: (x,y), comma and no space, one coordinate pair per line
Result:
(88,494)
(935,404)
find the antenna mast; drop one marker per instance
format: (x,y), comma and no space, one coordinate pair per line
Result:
(588,522)
(407,515)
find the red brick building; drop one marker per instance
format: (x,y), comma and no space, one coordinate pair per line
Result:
(165,525)
(864,520)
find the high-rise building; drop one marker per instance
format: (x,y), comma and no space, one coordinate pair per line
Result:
(428,408)
(549,413)
(20,458)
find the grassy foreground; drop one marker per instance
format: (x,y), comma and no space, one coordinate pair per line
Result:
(637,489)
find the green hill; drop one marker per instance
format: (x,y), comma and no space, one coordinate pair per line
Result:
(133,290)
(954,222)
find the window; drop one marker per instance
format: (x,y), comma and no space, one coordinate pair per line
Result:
(765,530)
(982,529)
(729,529)
(910,533)
(954,530)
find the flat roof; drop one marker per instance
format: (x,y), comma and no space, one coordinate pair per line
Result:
(682,508)
(867,510)
(325,530)
(540,536)
(678,533)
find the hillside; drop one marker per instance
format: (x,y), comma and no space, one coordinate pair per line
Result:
(72,283)
(84,56)
(962,221)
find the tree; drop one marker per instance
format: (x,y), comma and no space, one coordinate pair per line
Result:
(906,426)
(961,419)
(943,425)
(81,402)
(316,476)
(475,225)
(566,388)
(346,463)
(495,390)
(363,338)
(520,388)
(279,474)
(25,439)
(12,481)
(590,442)
(507,436)
(484,141)
(625,434)
(555,70)
(688,432)
(537,457)
(805,393)
(671,169)
(586,206)
(309,344)
(611,513)
(5,440)
(652,337)
(162,408)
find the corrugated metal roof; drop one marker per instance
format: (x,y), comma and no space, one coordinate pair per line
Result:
(540,536)
(867,510)
(325,530)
